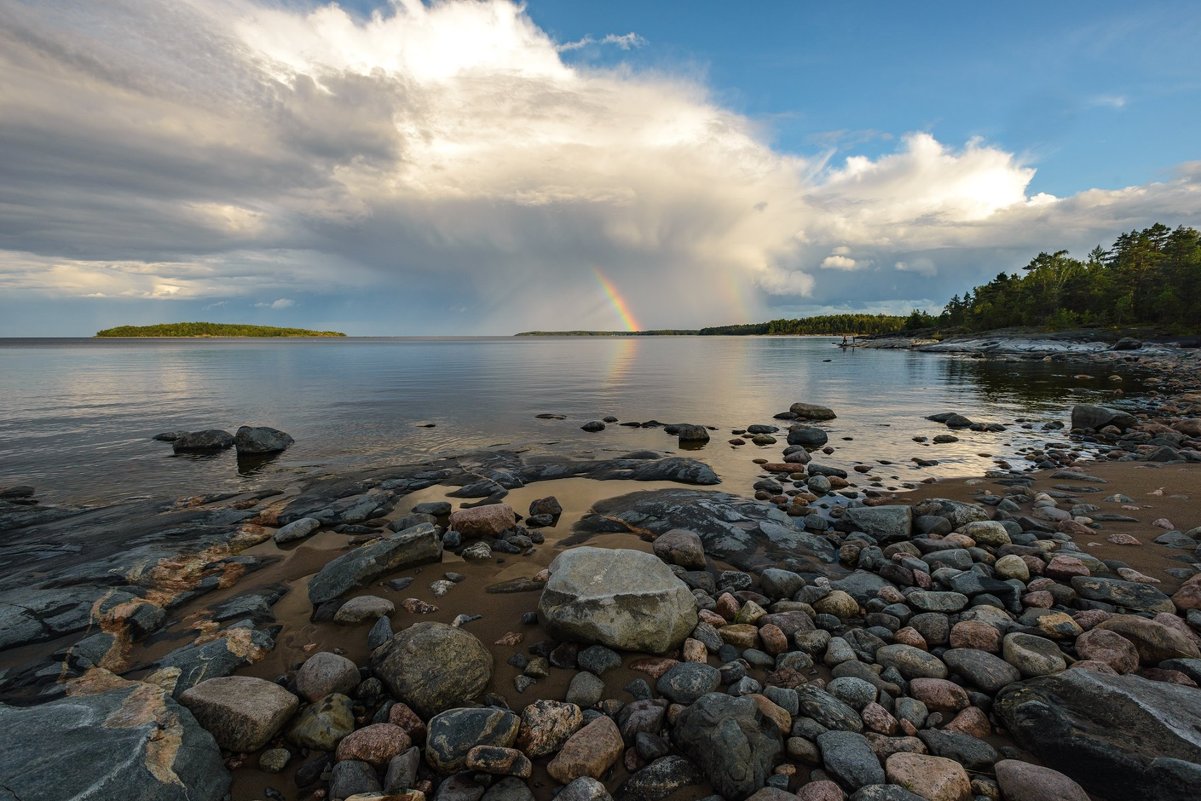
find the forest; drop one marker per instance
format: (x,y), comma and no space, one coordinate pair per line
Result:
(1148,277)
(831,324)
(211,330)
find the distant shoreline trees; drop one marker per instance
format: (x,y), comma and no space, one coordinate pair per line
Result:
(1148,277)
(211,330)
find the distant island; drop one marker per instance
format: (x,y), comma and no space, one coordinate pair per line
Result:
(211,330)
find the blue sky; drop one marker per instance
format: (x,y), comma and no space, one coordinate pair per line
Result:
(469,167)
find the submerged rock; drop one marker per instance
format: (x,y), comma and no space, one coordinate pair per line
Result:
(625,599)
(261,439)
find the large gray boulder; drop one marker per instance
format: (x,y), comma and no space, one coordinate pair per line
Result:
(731,741)
(883,522)
(433,666)
(241,712)
(261,439)
(420,543)
(1119,736)
(625,599)
(1090,417)
(128,740)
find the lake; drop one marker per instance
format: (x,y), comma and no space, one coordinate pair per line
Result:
(77,415)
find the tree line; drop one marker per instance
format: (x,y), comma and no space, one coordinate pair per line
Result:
(1148,277)
(826,324)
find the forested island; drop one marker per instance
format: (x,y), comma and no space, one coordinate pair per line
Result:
(211,330)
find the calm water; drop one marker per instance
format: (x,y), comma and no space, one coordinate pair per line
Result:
(76,416)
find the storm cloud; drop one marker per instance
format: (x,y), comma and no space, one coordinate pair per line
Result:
(449,158)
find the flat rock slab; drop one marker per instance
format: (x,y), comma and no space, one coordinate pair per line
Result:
(746,533)
(128,741)
(368,562)
(624,599)
(1119,736)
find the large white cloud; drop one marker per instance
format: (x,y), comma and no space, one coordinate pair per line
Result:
(230,149)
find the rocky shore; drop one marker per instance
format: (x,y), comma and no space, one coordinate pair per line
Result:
(508,627)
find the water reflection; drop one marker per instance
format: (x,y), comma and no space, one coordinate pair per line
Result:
(76,416)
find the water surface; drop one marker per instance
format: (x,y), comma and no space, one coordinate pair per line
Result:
(77,415)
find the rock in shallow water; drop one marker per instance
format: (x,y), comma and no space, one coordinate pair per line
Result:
(261,439)
(625,599)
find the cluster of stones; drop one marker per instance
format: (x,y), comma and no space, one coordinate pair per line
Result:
(889,682)
(1169,430)
(249,440)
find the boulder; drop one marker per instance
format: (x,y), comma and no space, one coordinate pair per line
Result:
(810,411)
(453,733)
(368,562)
(1021,781)
(929,777)
(591,751)
(660,779)
(680,547)
(1153,640)
(546,725)
(625,599)
(324,673)
(433,666)
(261,439)
(691,433)
(731,741)
(807,436)
(1119,736)
(490,520)
(213,439)
(1091,418)
(1124,594)
(848,757)
(241,712)
(321,725)
(296,530)
(110,738)
(884,522)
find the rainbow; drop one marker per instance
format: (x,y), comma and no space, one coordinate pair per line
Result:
(619,304)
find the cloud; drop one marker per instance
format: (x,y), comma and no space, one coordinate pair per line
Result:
(839,262)
(279,303)
(624,41)
(448,157)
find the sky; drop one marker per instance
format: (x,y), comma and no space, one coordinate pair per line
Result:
(472,167)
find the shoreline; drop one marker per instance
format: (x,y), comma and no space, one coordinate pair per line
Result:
(239,605)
